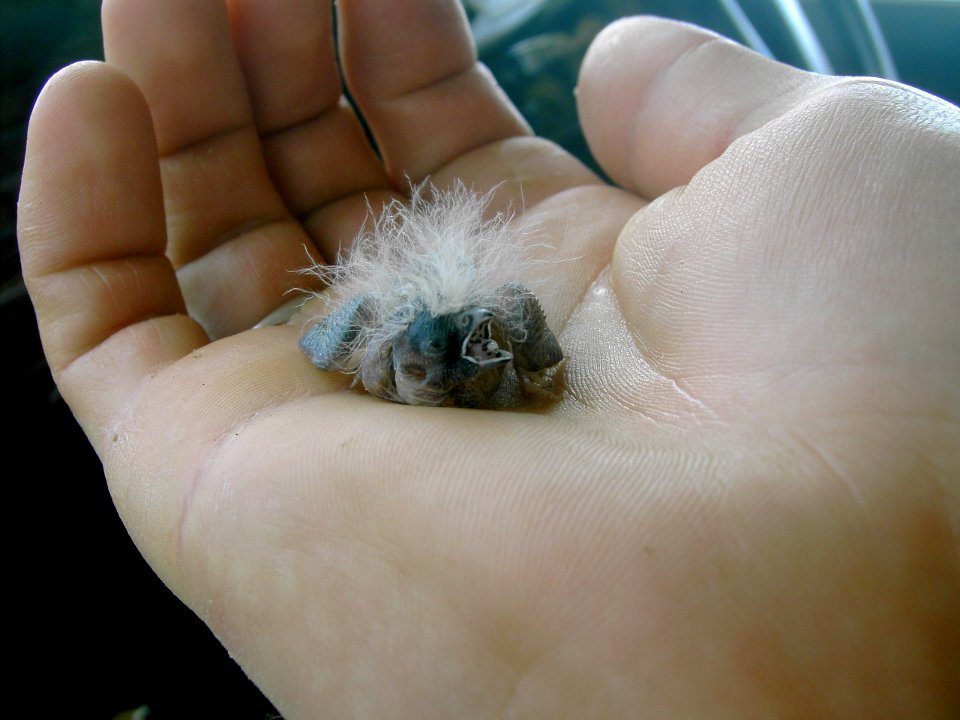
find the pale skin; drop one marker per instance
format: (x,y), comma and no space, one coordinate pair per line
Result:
(745,504)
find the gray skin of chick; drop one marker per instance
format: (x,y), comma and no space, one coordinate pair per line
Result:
(457,359)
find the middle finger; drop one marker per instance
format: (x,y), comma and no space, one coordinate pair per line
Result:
(315,148)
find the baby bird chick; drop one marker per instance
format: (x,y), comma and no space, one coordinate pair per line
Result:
(431,312)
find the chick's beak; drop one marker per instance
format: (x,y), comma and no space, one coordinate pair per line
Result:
(478,346)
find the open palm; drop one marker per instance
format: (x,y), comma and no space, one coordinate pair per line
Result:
(744,498)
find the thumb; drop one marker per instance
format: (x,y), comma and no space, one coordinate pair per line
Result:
(659,99)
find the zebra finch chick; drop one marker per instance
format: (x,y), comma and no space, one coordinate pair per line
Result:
(430,309)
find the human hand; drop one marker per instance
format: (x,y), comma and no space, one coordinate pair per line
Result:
(746,501)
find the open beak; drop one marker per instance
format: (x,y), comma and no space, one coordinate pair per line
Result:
(479,346)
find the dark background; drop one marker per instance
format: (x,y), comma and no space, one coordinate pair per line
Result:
(79,587)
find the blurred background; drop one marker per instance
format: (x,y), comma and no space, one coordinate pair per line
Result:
(79,584)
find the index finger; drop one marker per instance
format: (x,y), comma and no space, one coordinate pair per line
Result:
(412,69)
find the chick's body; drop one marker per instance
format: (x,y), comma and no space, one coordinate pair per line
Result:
(455,359)
(429,315)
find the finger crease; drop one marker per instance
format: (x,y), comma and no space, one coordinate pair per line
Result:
(91,263)
(247,228)
(435,82)
(271,133)
(199,144)
(305,216)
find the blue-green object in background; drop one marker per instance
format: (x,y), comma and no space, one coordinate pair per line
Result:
(535,47)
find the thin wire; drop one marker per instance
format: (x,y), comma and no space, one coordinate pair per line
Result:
(814,56)
(864,29)
(746,28)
